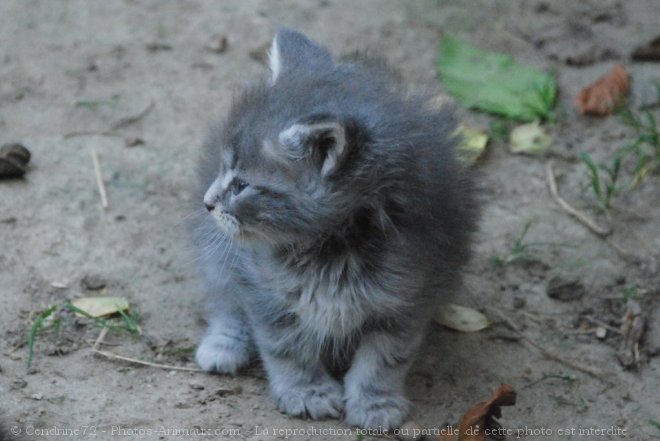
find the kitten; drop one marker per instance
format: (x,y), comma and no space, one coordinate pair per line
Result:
(337,219)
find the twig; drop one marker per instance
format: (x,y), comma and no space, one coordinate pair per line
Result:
(99,179)
(602,324)
(583,218)
(90,133)
(114,356)
(125,122)
(100,338)
(548,353)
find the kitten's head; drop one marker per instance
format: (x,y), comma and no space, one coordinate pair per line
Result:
(280,175)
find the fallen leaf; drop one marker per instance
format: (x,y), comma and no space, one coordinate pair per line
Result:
(472,144)
(494,82)
(100,306)
(480,418)
(530,138)
(461,318)
(602,97)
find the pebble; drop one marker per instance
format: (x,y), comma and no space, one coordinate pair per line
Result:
(18,383)
(217,43)
(565,290)
(92,282)
(14,158)
(519,302)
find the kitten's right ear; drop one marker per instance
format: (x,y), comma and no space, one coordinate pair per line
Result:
(292,51)
(322,138)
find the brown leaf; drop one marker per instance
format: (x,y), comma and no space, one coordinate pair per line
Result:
(602,97)
(479,419)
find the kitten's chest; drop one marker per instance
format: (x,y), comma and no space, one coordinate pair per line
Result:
(328,298)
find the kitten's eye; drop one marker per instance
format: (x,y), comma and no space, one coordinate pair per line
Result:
(238,185)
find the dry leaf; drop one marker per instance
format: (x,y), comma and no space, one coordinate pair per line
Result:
(602,97)
(472,145)
(461,318)
(100,306)
(529,138)
(479,418)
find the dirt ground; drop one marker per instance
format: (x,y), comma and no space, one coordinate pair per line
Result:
(71,72)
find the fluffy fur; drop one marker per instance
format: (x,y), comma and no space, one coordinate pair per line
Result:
(336,218)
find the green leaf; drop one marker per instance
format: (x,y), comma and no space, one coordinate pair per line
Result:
(36,325)
(494,82)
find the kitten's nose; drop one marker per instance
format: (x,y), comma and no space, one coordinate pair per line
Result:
(209,207)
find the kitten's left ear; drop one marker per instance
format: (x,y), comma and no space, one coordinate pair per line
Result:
(292,51)
(321,138)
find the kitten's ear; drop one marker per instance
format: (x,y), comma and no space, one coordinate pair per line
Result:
(293,51)
(321,138)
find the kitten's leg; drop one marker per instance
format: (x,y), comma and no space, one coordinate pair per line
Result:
(227,345)
(303,389)
(299,382)
(374,385)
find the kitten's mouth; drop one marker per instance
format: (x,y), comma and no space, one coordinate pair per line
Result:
(227,222)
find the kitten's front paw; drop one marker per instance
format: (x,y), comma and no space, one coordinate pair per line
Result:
(386,411)
(218,353)
(315,401)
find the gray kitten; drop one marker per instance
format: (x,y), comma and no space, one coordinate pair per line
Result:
(337,219)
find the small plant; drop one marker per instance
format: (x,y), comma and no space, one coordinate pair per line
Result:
(603,179)
(126,322)
(498,129)
(520,250)
(645,148)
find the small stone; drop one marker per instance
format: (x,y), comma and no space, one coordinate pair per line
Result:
(519,302)
(601,333)
(217,43)
(133,141)
(158,47)
(260,53)
(18,383)
(196,386)
(14,158)
(37,396)
(565,290)
(92,282)
(59,285)
(410,431)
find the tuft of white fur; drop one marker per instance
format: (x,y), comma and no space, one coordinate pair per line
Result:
(274,61)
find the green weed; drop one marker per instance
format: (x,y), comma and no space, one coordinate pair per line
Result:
(127,322)
(522,251)
(645,147)
(603,179)
(655,423)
